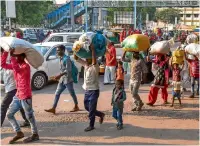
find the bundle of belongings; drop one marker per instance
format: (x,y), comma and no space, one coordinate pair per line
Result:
(81,47)
(33,57)
(136,43)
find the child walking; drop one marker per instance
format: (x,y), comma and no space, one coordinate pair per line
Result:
(120,71)
(176,83)
(118,98)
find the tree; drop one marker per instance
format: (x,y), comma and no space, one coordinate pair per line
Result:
(29,12)
(168,15)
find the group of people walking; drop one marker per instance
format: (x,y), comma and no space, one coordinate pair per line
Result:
(16,76)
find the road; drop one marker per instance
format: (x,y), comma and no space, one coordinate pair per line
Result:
(154,125)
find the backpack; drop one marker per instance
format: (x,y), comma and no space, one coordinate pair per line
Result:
(74,71)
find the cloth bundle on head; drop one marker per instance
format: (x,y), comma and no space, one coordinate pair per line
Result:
(33,57)
(193,49)
(162,47)
(81,47)
(192,38)
(136,43)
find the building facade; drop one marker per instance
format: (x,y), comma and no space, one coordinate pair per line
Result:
(190,16)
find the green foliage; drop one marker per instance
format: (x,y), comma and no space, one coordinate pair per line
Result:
(168,15)
(29,12)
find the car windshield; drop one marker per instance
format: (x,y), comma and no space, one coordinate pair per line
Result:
(42,49)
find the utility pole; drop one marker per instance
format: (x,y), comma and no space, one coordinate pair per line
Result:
(135,13)
(86,15)
(72,14)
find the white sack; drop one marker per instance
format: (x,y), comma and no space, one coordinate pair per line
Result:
(191,38)
(33,57)
(193,49)
(162,47)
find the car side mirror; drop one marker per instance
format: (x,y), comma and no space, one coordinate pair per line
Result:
(52,57)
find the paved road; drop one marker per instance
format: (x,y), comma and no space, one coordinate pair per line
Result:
(154,125)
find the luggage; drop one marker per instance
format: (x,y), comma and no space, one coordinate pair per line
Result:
(193,49)
(178,57)
(162,47)
(33,57)
(136,42)
(192,38)
(81,47)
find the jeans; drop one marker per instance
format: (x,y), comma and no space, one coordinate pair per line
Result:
(193,79)
(60,88)
(136,97)
(117,114)
(5,104)
(90,103)
(15,106)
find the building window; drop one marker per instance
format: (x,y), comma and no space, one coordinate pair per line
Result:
(188,15)
(181,15)
(196,15)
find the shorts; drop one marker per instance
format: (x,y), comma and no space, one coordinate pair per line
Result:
(176,94)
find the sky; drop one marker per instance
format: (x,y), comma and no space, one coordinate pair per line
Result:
(60,1)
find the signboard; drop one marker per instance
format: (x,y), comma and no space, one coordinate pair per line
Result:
(123,17)
(10,9)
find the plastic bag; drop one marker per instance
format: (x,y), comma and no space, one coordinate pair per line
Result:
(136,42)
(162,47)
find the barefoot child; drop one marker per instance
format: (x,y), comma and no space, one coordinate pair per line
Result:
(176,83)
(118,98)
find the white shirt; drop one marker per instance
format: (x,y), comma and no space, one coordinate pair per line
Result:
(8,78)
(91,77)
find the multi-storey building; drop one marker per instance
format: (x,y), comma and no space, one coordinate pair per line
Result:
(190,16)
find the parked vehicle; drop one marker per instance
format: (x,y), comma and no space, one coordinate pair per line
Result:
(29,34)
(63,37)
(50,67)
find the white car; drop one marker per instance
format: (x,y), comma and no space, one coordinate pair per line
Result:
(63,37)
(50,67)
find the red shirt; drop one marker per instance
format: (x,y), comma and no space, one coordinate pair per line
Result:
(119,74)
(22,75)
(194,68)
(111,55)
(18,35)
(176,74)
